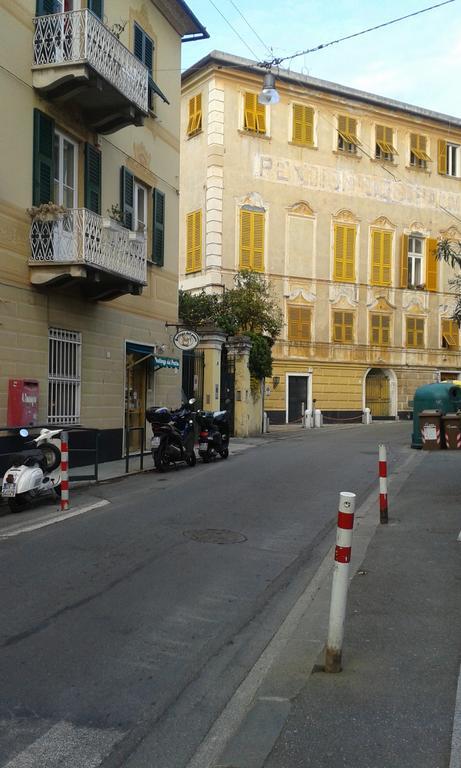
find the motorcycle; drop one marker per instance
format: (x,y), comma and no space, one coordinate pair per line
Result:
(213,435)
(34,472)
(173,436)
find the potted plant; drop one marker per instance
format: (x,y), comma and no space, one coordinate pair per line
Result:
(115,213)
(47,212)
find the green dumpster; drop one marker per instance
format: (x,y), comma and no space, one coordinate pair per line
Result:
(444,396)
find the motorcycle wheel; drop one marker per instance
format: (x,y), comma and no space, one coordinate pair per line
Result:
(161,460)
(191,459)
(19,502)
(51,457)
(225,453)
(205,457)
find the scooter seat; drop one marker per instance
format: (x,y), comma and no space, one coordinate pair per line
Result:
(32,456)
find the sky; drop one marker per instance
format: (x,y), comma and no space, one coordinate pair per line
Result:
(417,60)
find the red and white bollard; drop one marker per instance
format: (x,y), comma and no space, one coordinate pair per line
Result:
(340,583)
(64,471)
(383,506)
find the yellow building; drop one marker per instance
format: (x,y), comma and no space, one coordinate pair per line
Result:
(339,197)
(90,123)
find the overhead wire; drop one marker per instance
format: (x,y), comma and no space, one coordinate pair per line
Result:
(252,28)
(234,30)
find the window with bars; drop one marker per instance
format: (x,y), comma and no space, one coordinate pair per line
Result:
(254,114)
(450,334)
(194,241)
(303,125)
(385,149)
(344,252)
(343,327)
(418,151)
(299,324)
(64,376)
(380,330)
(194,124)
(348,140)
(415,332)
(252,240)
(381,257)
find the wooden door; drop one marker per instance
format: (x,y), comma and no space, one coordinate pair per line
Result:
(135,398)
(377,393)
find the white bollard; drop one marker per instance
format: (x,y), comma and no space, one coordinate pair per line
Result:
(340,583)
(308,419)
(318,419)
(366,418)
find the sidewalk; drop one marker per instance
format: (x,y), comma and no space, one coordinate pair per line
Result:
(394,703)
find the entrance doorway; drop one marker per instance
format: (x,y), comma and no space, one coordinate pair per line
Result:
(135,397)
(378,393)
(297,396)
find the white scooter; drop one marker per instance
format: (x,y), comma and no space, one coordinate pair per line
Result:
(34,472)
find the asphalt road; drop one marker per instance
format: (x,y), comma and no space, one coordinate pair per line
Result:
(134,624)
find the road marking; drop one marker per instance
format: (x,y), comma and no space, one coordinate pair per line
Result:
(66,746)
(455,756)
(53,520)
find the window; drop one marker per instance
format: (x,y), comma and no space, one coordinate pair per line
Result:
(381,256)
(65,171)
(64,376)
(194,241)
(299,324)
(344,253)
(385,149)
(450,334)
(140,208)
(380,330)
(254,114)
(303,125)
(418,154)
(252,239)
(144,51)
(449,160)
(415,261)
(158,229)
(415,332)
(194,124)
(347,134)
(343,327)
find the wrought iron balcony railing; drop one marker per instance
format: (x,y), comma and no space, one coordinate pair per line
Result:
(79,37)
(83,237)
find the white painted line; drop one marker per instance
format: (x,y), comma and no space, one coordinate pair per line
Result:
(455,756)
(53,520)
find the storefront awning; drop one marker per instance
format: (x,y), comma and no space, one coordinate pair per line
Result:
(141,349)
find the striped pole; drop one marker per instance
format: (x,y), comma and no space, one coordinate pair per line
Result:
(340,583)
(383,506)
(64,471)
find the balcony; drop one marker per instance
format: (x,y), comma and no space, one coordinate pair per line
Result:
(77,60)
(82,249)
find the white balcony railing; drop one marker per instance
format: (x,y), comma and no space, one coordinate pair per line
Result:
(79,37)
(83,237)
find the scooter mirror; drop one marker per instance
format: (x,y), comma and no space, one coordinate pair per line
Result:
(192,401)
(24,432)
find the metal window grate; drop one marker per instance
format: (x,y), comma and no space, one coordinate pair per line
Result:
(64,376)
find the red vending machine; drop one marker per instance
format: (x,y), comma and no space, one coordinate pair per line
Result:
(22,403)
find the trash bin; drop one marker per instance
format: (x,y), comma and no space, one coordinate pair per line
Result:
(430,423)
(452,430)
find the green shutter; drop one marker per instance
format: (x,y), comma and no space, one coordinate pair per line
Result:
(139,43)
(43,167)
(44,7)
(127,196)
(92,178)
(97,6)
(158,230)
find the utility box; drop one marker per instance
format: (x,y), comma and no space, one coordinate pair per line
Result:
(430,423)
(22,403)
(452,430)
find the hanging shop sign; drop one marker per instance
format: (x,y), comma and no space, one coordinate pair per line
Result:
(165,362)
(186,340)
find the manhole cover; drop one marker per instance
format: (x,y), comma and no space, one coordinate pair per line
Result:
(216,536)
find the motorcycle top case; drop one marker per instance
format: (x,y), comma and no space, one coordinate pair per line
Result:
(220,417)
(158,415)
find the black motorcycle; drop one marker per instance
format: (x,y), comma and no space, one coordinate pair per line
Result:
(213,435)
(173,436)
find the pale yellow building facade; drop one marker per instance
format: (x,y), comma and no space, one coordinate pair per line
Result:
(339,197)
(90,122)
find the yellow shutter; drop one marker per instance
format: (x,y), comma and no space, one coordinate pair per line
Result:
(404,262)
(442,156)
(189,242)
(450,334)
(254,114)
(431,264)
(194,124)
(245,239)
(376,257)
(258,242)
(194,241)
(198,241)
(303,124)
(344,253)
(299,322)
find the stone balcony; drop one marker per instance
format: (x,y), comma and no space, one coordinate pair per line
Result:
(83,250)
(77,60)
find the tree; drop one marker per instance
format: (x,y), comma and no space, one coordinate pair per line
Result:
(249,308)
(449,251)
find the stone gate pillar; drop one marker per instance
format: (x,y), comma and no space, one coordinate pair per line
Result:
(239,348)
(211,342)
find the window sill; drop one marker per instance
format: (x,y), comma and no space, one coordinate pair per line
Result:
(193,272)
(344,153)
(302,146)
(254,134)
(418,169)
(384,162)
(193,135)
(450,176)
